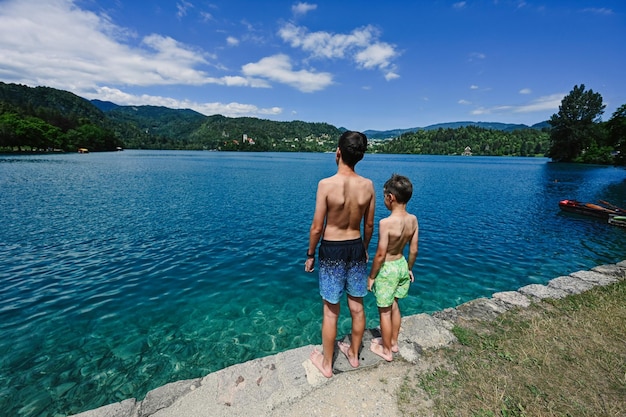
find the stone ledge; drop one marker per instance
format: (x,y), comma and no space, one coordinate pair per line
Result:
(258,386)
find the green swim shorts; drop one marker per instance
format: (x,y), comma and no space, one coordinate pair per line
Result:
(392,281)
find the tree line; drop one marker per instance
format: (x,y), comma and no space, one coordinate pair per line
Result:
(579,135)
(576,133)
(44,119)
(470,140)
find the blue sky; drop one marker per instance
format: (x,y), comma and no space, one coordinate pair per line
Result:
(353,64)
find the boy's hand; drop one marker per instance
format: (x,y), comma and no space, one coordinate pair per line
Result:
(411,275)
(309,265)
(370,283)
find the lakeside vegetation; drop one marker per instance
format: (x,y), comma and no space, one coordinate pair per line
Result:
(44,119)
(557,358)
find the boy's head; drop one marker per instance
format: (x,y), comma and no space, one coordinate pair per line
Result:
(401,188)
(352,146)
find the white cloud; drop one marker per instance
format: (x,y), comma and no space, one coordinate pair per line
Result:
(525,91)
(598,10)
(232,41)
(361,45)
(477,55)
(58,45)
(551,102)
(459,5)
(300,9)
(183,7)
(278,68)
(375,56)
(473,87)
(542,104)
(206,16)
(464,102)
(391,76)
(226,109)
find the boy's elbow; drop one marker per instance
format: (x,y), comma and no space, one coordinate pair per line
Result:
(316,229)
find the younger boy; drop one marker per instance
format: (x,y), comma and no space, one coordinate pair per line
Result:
(391,274)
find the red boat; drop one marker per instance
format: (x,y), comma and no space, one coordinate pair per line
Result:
(589,209)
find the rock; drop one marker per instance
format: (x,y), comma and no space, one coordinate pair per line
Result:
(165,396)
(513,298)
(541,291)
(570,284)
(126,408)
(594,277)
(614,270)
(447,314)
(426,331)
(481,309)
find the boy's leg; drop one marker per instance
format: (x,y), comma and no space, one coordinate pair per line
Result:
(384,350)
(396,321)
(357,312)
(324,361)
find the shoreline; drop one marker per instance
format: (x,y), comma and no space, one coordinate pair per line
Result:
(270,385)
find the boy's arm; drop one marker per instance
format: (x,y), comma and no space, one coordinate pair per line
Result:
(381,252)
(368,219)
(413,247)
(317,227)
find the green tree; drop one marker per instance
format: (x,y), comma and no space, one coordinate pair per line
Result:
(617,134)
(574,127)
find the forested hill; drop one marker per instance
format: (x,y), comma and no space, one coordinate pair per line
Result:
(44,119)
(506,127)
(47,119)
(50,104)
(151,127)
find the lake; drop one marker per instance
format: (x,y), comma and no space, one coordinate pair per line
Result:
(121,272)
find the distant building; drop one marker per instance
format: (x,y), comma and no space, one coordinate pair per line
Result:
(467,151)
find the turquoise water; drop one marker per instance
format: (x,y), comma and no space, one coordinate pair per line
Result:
(121,272)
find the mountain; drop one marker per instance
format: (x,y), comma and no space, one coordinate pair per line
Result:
(46,119)
(103,125)
(506,127)
(58,107)
(104,105)
(156,120)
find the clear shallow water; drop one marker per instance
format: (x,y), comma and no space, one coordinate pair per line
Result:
(121,272)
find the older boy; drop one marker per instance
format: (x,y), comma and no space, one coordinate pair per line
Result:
(391,274)
(342,202)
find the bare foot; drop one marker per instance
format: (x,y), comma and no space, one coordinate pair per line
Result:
(379,340)
(345,349)
(318,360)
(380,351)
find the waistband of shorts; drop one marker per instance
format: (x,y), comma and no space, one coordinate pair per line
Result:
(341,242)
(399,260)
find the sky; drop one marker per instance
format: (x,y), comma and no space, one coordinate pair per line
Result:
(359,65)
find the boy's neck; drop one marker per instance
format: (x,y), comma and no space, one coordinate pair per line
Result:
(398,208)
(343,168)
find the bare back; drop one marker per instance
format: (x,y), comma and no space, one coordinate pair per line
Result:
(397,230)
(349,199)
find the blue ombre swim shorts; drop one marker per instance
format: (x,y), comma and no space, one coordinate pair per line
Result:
(342,266)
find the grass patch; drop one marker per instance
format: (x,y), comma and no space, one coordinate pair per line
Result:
(556,358)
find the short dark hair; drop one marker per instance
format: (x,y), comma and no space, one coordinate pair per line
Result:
(352,146)
(400,186)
